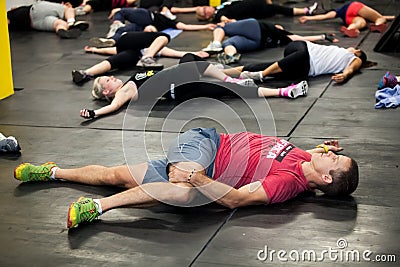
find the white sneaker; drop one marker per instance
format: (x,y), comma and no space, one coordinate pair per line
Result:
(257,76)
(242,82)
(213,47)
(295,90)
(113,29)
(168,15)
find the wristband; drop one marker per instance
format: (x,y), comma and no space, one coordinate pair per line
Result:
(325,147)
(190,175)
(91,112)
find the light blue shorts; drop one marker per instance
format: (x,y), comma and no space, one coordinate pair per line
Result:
(198,145)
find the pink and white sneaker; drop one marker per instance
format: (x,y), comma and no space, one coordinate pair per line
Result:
(294,90)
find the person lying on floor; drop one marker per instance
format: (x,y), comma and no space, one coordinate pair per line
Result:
(141,19)
(354,16)
(202,161)
(133,48)
(186,85)
(259,9)
(251,34)
(163,6)
(46,16)
(303,59)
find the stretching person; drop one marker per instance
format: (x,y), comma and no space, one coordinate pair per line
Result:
(262,34)
(355,16)
(201,161)
(128,52)
(258,9)
(47,16)
(141,19)
(162,6)
(181,83)
(303,59)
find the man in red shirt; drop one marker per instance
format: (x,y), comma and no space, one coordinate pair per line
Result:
(231,169)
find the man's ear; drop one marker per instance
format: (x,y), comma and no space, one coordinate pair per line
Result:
(327,178)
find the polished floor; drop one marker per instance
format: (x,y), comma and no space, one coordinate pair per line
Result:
(43,115)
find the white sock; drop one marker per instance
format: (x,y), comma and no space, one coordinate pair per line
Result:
(53,173)
(98,204)
(218,43)
(71,21)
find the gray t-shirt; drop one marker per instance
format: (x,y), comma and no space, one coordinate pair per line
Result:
(328,59)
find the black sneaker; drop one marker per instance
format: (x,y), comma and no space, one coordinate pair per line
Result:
(81,25)
(69,34)
(80,77)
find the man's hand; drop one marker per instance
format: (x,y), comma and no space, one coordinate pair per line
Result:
(333,145)
(150,28)
(210,26)
(303,19)
(178,175)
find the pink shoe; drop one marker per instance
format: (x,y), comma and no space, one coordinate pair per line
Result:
(378,28)
(351,33)
(294,90)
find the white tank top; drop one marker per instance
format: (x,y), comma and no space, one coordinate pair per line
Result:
(328,59)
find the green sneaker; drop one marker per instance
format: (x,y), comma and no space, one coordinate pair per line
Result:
(27,172)
(83,210)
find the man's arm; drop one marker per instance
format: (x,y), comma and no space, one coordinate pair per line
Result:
(354,66)
(251,194)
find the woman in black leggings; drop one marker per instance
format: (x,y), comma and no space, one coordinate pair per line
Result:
(180,83)
(128,52)
(303,59)
(257,9)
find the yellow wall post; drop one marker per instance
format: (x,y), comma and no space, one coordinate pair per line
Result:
(6,82)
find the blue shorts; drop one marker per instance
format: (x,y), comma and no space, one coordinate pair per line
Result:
(198,145)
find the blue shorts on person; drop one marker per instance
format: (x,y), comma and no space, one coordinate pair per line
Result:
(198,145)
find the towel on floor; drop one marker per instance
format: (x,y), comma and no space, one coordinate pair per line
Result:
(172,32)
(388,97)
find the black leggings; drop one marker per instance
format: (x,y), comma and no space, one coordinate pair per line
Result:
(129,46)
(295,64)
(188,85)
(156,4)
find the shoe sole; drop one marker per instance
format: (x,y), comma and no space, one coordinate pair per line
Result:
(18,170)
(99,44)
(351,33)
(80,26)
(301,89)
(77,77)
(70,223)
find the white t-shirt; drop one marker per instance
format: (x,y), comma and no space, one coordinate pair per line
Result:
(328,59)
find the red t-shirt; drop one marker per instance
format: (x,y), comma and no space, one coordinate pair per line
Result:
(245,157)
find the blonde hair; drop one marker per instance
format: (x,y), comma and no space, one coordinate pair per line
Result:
(97,91)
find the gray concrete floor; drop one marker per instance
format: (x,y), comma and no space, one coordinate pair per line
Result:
(44,117)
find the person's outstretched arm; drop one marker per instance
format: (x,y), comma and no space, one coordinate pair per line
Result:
(251,194)
(354,66)
(125,94)
(329,15)
(194,27)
